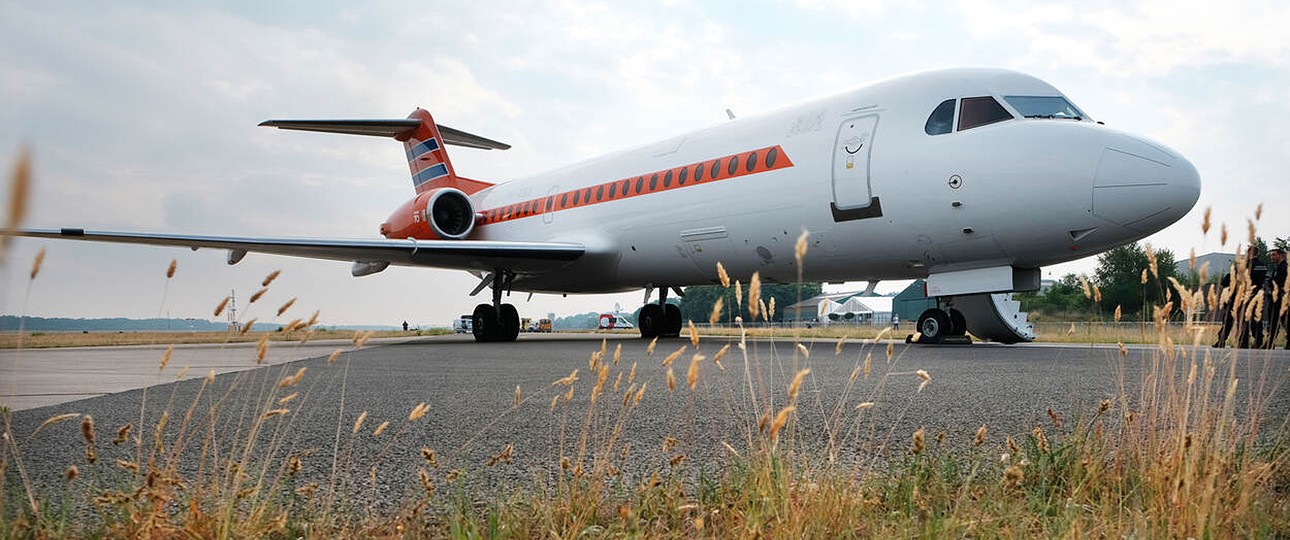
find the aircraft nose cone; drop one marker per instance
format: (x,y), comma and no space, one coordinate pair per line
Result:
(1142,186)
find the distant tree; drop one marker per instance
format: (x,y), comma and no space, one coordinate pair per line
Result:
(1066,296)
(1119,276)
(699,299)
(1283,243)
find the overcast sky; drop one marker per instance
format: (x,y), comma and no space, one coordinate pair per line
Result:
(142,116)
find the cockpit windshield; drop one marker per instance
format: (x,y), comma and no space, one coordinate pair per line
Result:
(1044,107)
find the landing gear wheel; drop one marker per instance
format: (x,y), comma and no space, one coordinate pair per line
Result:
(484,323)
(510,319)
(672,318)
(933,325)
(958,323)
(652,321)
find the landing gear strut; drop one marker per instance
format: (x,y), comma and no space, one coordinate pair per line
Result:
(497,321)
(661,319)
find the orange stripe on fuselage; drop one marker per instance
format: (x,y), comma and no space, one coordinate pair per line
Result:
(747,163)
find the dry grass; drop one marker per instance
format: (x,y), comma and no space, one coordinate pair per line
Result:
(42,340)
(1176,454)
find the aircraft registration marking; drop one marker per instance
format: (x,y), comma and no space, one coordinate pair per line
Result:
(708,171)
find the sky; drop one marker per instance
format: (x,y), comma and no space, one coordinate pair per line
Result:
(141,115)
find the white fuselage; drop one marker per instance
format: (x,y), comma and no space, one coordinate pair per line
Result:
(879,196)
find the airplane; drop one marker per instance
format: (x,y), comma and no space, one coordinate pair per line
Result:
(971,178)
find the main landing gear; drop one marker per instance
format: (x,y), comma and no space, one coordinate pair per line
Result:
(661,319)
(941,325)
(496,321)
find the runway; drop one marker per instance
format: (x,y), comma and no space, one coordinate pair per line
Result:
(471,392)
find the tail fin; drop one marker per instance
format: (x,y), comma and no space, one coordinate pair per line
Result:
(423,142)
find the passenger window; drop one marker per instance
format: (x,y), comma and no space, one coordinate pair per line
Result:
(980,111)
(942,119)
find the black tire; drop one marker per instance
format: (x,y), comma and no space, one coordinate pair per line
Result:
(958,323)
(484,323)
(652,321)
(510,323)
(933,325)
(672,316)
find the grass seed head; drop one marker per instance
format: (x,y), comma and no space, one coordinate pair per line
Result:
(431,457)
(425,482)
(87,429)
(274,412)
(692,376)
(720,354)
(91,455)
(219,308)
(517,395)
(170,270)
(286,306)
(781,418)
(799,248)
(422,408)
(256,296)
(1222,237)
(333,356)
(805,352)
(796,384)
(1013,476)
(739,295)
(287,399)
(380,429)
(916,444)
(671,381)
(1204,224)
(358,424)
(55,420)
(694,335)
(723,276)
(754,296)
(121,433)
(1117,313)
(922,375)
(37,262)
(19,191)
(72,473)
(269,278)
(672,357)
(979,439)
(649,351)
(864,406)
(261,349)
(165,357)
(246,327)
(891,349)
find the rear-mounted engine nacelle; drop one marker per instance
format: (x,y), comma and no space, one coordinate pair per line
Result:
(443,213)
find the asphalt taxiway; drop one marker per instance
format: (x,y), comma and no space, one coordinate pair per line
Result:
(472,391)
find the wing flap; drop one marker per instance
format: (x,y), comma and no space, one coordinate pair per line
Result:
(520,257)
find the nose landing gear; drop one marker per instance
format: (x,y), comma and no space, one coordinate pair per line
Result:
(661,319)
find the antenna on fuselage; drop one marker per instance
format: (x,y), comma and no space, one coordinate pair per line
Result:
(730,115)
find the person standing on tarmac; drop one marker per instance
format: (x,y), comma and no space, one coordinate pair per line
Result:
(1280,319)
(1258,274)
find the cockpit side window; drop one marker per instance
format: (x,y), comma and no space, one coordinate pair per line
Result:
(980,111)
(942,119)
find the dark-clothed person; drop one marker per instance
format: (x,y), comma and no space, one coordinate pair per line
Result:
(1277,286)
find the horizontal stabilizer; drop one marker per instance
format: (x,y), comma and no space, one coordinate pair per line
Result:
(398,128)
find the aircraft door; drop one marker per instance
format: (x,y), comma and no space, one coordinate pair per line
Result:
(851,152)
(548,205)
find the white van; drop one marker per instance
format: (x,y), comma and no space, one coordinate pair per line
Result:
(463,324)
(613,321)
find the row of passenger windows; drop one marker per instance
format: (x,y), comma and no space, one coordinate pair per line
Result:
(985,110)
(749,162)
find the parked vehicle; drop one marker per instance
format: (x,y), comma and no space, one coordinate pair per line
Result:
(544,325)
(613,321)
(463,324)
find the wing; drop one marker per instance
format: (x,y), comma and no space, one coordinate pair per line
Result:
(369,256)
